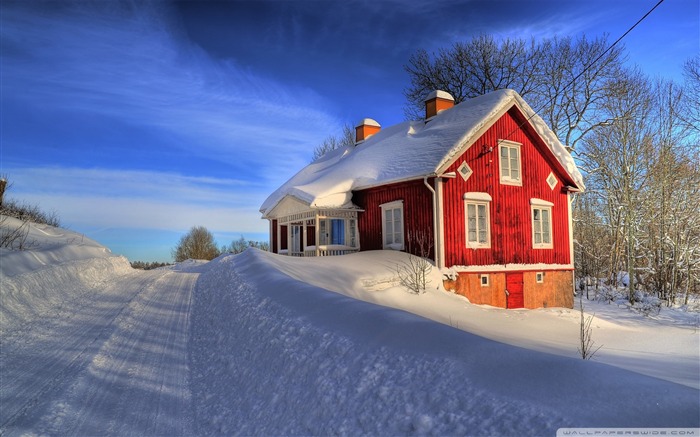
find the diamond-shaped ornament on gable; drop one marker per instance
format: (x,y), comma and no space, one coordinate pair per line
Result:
(465,171)
(551,180)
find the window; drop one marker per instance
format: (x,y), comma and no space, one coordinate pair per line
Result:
(476,206)
(539,277)
(551,180)
(392,225)
(541,227)
(337,231)
(484,280)
(353,232)
(509,156)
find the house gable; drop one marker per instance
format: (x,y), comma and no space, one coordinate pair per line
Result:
(540,135)
(289,205)
(510,214)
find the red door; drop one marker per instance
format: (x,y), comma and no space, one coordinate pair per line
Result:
(514,286)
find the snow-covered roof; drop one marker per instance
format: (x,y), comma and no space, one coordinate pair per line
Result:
(409,150)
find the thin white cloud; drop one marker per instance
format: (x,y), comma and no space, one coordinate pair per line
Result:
(132,65)
(141,200)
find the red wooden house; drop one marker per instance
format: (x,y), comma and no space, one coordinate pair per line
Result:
(485,182)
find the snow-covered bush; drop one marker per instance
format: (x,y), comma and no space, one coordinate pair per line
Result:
(450,274)
(611,294)
(646,304)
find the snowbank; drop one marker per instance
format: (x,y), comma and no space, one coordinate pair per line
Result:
(665,346)
(294,359)
(57,268)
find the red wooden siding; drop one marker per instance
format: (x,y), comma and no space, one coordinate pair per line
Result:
(417,212)
(273,236)
(510,213)
(283,237)
(311,235)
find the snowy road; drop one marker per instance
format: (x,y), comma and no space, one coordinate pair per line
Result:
(113,362)
(236,346)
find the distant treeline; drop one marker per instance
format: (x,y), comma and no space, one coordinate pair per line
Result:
(142,265)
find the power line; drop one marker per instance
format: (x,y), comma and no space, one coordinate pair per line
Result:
(589,66)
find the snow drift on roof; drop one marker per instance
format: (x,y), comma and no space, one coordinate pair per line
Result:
(409,150)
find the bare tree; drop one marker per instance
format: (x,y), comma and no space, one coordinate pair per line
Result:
(564,79)
(617,156)
(691,72)
(332,142)
(591,241)
(198,243)
(470,69)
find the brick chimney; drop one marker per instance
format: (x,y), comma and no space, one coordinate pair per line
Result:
(365,129)
(436,102)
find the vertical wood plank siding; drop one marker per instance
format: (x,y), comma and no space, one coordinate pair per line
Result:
(283,237)
(273,237)
(417,213)
(510,214)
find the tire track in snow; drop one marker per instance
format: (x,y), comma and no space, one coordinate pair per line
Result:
(133,377)
(138,382)
(65,340)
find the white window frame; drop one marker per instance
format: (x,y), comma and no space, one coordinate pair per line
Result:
(476,200)
(395,244)
(509,179)
(541,205)
(539,277)
(325,232)
(481,280)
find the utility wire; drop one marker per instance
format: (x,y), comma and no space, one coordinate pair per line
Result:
(589,66)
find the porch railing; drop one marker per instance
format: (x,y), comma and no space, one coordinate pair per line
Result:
(325,251)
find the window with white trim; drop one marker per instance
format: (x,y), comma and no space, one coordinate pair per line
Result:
(541,227)
(484,280)
(539,277)
(510,162)
(477,220)
(337,231)
(392,225)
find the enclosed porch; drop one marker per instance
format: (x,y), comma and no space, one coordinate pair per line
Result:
(316,233)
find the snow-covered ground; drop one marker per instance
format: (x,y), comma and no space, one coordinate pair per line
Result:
(259,344)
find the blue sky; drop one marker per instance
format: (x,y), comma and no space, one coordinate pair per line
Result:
(135,121)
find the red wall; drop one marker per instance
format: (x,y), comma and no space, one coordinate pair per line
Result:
(510,213)
(273,237)
(417,209)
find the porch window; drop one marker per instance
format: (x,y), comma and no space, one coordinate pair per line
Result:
(510,163)
(332,231)
(336,231)
(352,232)
(392,225)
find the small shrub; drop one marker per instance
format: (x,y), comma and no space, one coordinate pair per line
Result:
(14,237)
(413,273)
(586,344)
(29,213)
